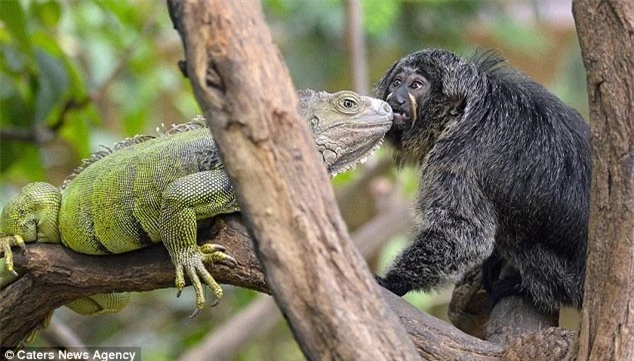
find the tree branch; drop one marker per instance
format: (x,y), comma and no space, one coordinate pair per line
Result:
(260,316)
(55,275)
(470,311)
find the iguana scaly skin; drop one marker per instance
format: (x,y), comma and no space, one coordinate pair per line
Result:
(150,189)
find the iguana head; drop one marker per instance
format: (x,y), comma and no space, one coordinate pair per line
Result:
(346,127)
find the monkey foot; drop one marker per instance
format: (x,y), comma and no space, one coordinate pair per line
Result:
(397,287)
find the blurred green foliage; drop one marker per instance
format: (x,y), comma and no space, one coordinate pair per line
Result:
(77,74)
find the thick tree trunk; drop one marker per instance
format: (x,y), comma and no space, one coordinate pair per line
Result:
(317,277)
(606,35)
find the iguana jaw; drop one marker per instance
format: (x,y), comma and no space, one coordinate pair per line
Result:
(349,161)
(350,140)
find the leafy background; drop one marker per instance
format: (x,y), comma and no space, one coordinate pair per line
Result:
(75,75)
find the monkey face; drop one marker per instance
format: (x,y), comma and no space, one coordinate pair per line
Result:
(422,101)
(404,93)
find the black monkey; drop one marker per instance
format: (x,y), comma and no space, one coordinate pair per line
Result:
(505,178)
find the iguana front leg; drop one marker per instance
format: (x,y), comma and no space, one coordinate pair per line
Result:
(186,200)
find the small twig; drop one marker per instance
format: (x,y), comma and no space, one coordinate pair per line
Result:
(58,334)
(70,105)
(18,135)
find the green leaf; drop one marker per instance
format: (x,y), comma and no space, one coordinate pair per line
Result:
(379,15)
(14,110)
(12,59)
(50,45)
(54,81)
(20,161)
(76,131)
(12,15)
(48,12)
(519,37)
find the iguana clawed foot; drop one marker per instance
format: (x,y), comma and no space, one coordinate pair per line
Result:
(217,253)
(193,263)
(6,242)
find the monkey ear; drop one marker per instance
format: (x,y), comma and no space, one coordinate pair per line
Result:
(457,105)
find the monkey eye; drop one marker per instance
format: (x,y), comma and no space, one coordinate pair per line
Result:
(416,85)
(396,82)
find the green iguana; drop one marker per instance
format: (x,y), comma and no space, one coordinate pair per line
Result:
(151,189)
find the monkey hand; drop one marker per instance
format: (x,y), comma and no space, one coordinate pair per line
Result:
(396,286)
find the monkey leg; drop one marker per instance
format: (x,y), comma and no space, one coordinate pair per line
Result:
(508,284)
(491,269)
(500,279)
(549,279)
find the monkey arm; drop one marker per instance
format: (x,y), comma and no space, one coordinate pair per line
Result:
(455,233)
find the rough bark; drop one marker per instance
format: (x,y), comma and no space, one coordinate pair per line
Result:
(470,311)
(262,314)
(54,276)
(606,35)
(315,274)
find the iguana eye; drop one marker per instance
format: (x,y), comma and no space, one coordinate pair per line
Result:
(349,103)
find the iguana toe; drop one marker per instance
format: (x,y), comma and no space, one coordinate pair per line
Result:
(6,242)
(6,277)
(212,247)
(217,253)
(192,263)
(180,279)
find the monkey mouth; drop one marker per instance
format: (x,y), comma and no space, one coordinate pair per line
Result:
(401,118)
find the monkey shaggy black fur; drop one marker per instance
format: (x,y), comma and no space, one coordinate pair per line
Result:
(505,178)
